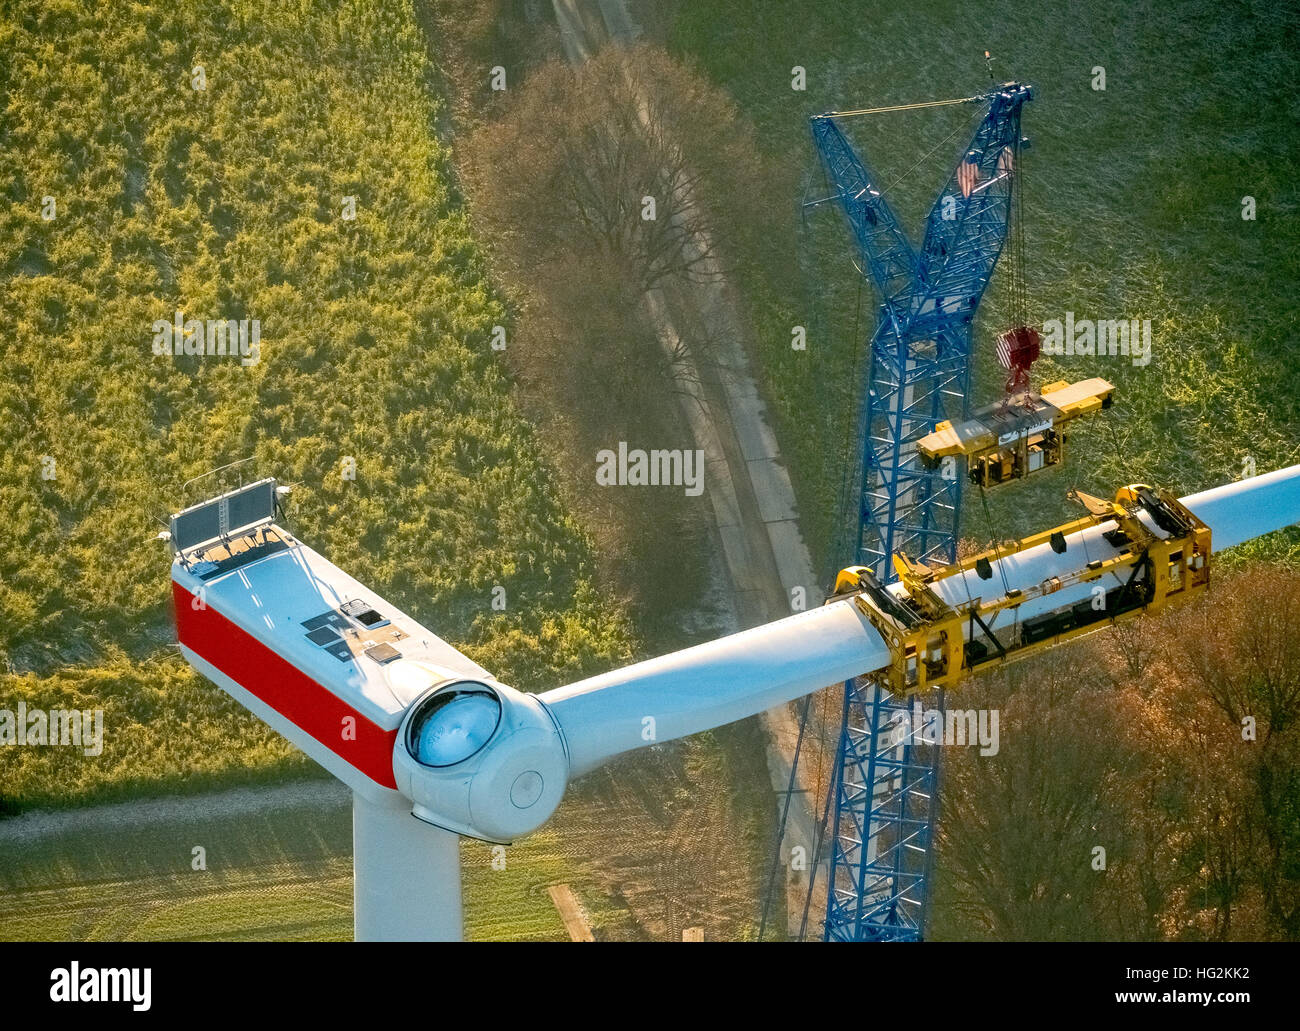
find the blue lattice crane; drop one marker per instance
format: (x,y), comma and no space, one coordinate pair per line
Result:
(884,793)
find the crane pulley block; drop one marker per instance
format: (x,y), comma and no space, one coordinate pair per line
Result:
(1136,554)
(1018,436)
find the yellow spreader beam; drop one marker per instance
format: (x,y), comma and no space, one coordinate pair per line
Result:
(1017,436)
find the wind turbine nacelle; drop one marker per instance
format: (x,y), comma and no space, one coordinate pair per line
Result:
(483,760)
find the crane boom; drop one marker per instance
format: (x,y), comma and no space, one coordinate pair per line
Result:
(920,368)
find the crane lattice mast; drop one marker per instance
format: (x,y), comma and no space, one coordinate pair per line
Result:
(885,789)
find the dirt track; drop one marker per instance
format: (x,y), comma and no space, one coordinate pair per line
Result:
(755,520)
(246,801)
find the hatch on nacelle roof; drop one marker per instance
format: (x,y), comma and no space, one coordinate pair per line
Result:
(234,514)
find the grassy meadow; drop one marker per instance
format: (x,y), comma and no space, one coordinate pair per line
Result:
(228,201)
(672,838)
(1133,200)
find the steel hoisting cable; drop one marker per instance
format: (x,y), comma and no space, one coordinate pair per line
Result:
(1017,211)
(819,832)
(839,533)
(1119,451)
(785,814)
(997,545)
(849,462)
(997,552)
(848,483)
(1083,537)
(924,157)
(817,858)
(904,107)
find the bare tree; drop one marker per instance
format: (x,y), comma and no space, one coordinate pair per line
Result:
(608,191)
(1019,830)
(630,165)
(1243,651)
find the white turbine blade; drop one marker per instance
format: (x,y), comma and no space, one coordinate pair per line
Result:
(712,684)
(729,679)
(1249,508)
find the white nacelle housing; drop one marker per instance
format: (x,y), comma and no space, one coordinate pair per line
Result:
(480,759)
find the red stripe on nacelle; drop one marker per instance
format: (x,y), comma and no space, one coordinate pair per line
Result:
(285,688)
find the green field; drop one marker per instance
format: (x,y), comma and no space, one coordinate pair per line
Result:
(662,840)
(1133,202)
(227,202)
(283,879)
